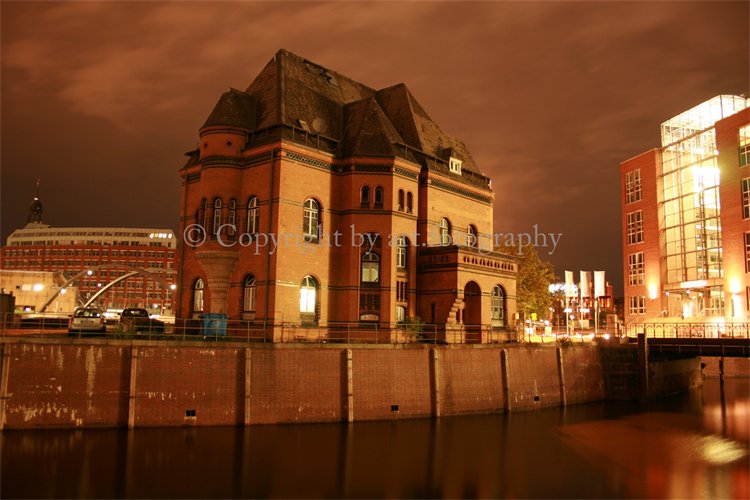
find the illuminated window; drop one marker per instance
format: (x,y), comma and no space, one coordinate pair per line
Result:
(497,306)
(635,268)
(311,221)
(198,295)
(248,294)
(370,268)
(633,186)
(455,165)
(253,215)
(232,217)
(637,304)
(308,296)
(409,200)
(744,149)
(635,227)
(217,215)
(445,232)
(747,252)
(472,237)
(401,252)
(378,197)
(364,197)
(746,198)
(400,314)
(400,200)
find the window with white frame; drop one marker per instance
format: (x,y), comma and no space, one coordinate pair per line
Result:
(635,268)
(637,304)
(253,215)
(744,146)
(370,268)
(746,198)
(445,232)
(232,217)
(635,227)
(633,186)
(198,295)
(248,295)
(311,221)
(401,252)
(400,314)
(217,215)
(747,252)
(455,165)
(308,297)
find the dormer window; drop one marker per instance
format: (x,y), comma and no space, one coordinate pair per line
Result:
(455,165)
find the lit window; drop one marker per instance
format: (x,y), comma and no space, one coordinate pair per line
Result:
(637,304)
(635,268)
(198,296)
(472,237)
(400,200)
(401,252)
(232,217)
(217,215)
(253,215)
(445,232)
(370,268)
(311,221)
(308,295)
(747,252)
(400,314)
(378,197)
(744,149)
(497,306)
(633,186)
(635,227)
(248,295)
(746,198)
(364,197)
(409,201)
(455,165)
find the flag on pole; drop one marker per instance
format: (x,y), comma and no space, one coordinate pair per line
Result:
(585,284)
(569,285)
(599,290)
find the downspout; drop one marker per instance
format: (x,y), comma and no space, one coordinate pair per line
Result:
(268,252)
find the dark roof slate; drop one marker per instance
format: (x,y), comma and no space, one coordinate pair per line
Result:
(235,109)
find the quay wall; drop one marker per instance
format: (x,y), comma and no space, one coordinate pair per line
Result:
(62,383)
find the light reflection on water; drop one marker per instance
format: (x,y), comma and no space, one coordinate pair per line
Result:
(691,446)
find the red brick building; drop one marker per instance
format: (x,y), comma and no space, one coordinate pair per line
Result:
(686,218)
(293,174)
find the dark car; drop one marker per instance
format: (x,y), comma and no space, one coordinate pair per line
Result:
(137,320)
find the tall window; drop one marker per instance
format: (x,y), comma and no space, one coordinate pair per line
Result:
(308,296)
(409,202)
(253,215)
(364,197)
(445,232)
(746,198)
(637,304)
(198,295)
(635,227)
(497,306)
(217,215)
(232,221)
(633,186)
(311,221)
(370,268)
(635,268)
(402,252)
(400,314)
(744,149)
(400,200)
(747,252)
(206,215)
(472,237)
(378,197)
(248,294)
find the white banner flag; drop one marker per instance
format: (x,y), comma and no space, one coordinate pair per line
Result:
(599,290)
(585,284)
(569,285)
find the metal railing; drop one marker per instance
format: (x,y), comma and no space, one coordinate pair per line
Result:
(728,330)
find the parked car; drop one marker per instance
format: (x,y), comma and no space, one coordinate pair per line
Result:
(137,320)
(86,319)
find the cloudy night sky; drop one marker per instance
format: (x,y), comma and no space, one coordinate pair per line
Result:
(101,99)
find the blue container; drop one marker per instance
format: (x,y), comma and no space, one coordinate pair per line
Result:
(214,324)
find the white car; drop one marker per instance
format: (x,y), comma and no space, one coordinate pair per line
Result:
(88,319)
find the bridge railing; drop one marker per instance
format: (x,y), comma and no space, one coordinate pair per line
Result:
(728,330)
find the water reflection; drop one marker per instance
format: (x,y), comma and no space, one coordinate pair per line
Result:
(692,446)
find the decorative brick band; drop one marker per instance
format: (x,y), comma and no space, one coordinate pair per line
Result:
(463,192)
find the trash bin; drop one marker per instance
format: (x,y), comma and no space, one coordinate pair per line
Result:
(214,324)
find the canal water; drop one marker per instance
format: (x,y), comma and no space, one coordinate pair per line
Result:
(691,446)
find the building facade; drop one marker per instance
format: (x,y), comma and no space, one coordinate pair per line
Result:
(315,200)
(32,289)
(686,218)
(142,261)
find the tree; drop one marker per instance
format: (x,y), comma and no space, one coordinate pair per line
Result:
(532,284)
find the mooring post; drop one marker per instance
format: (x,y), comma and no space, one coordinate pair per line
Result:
(4,372)
(721,370)
(561,375)
(132,388)
(436,381)
(505,372)
(643,366)
(349,387)
(248,385)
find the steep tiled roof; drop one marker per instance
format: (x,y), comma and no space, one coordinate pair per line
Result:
(295,92)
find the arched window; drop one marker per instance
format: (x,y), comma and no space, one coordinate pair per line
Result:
(206,215)
(498,306)
(198,295)
(311,221)
(253,215)
(402,249)
(364,197)
(409,202)
(400,314)
(400,199)
(248,294)
(308,296)
(217,215)
(232,221)
(445,232)
(472,236)
(370,268)
(378,197)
